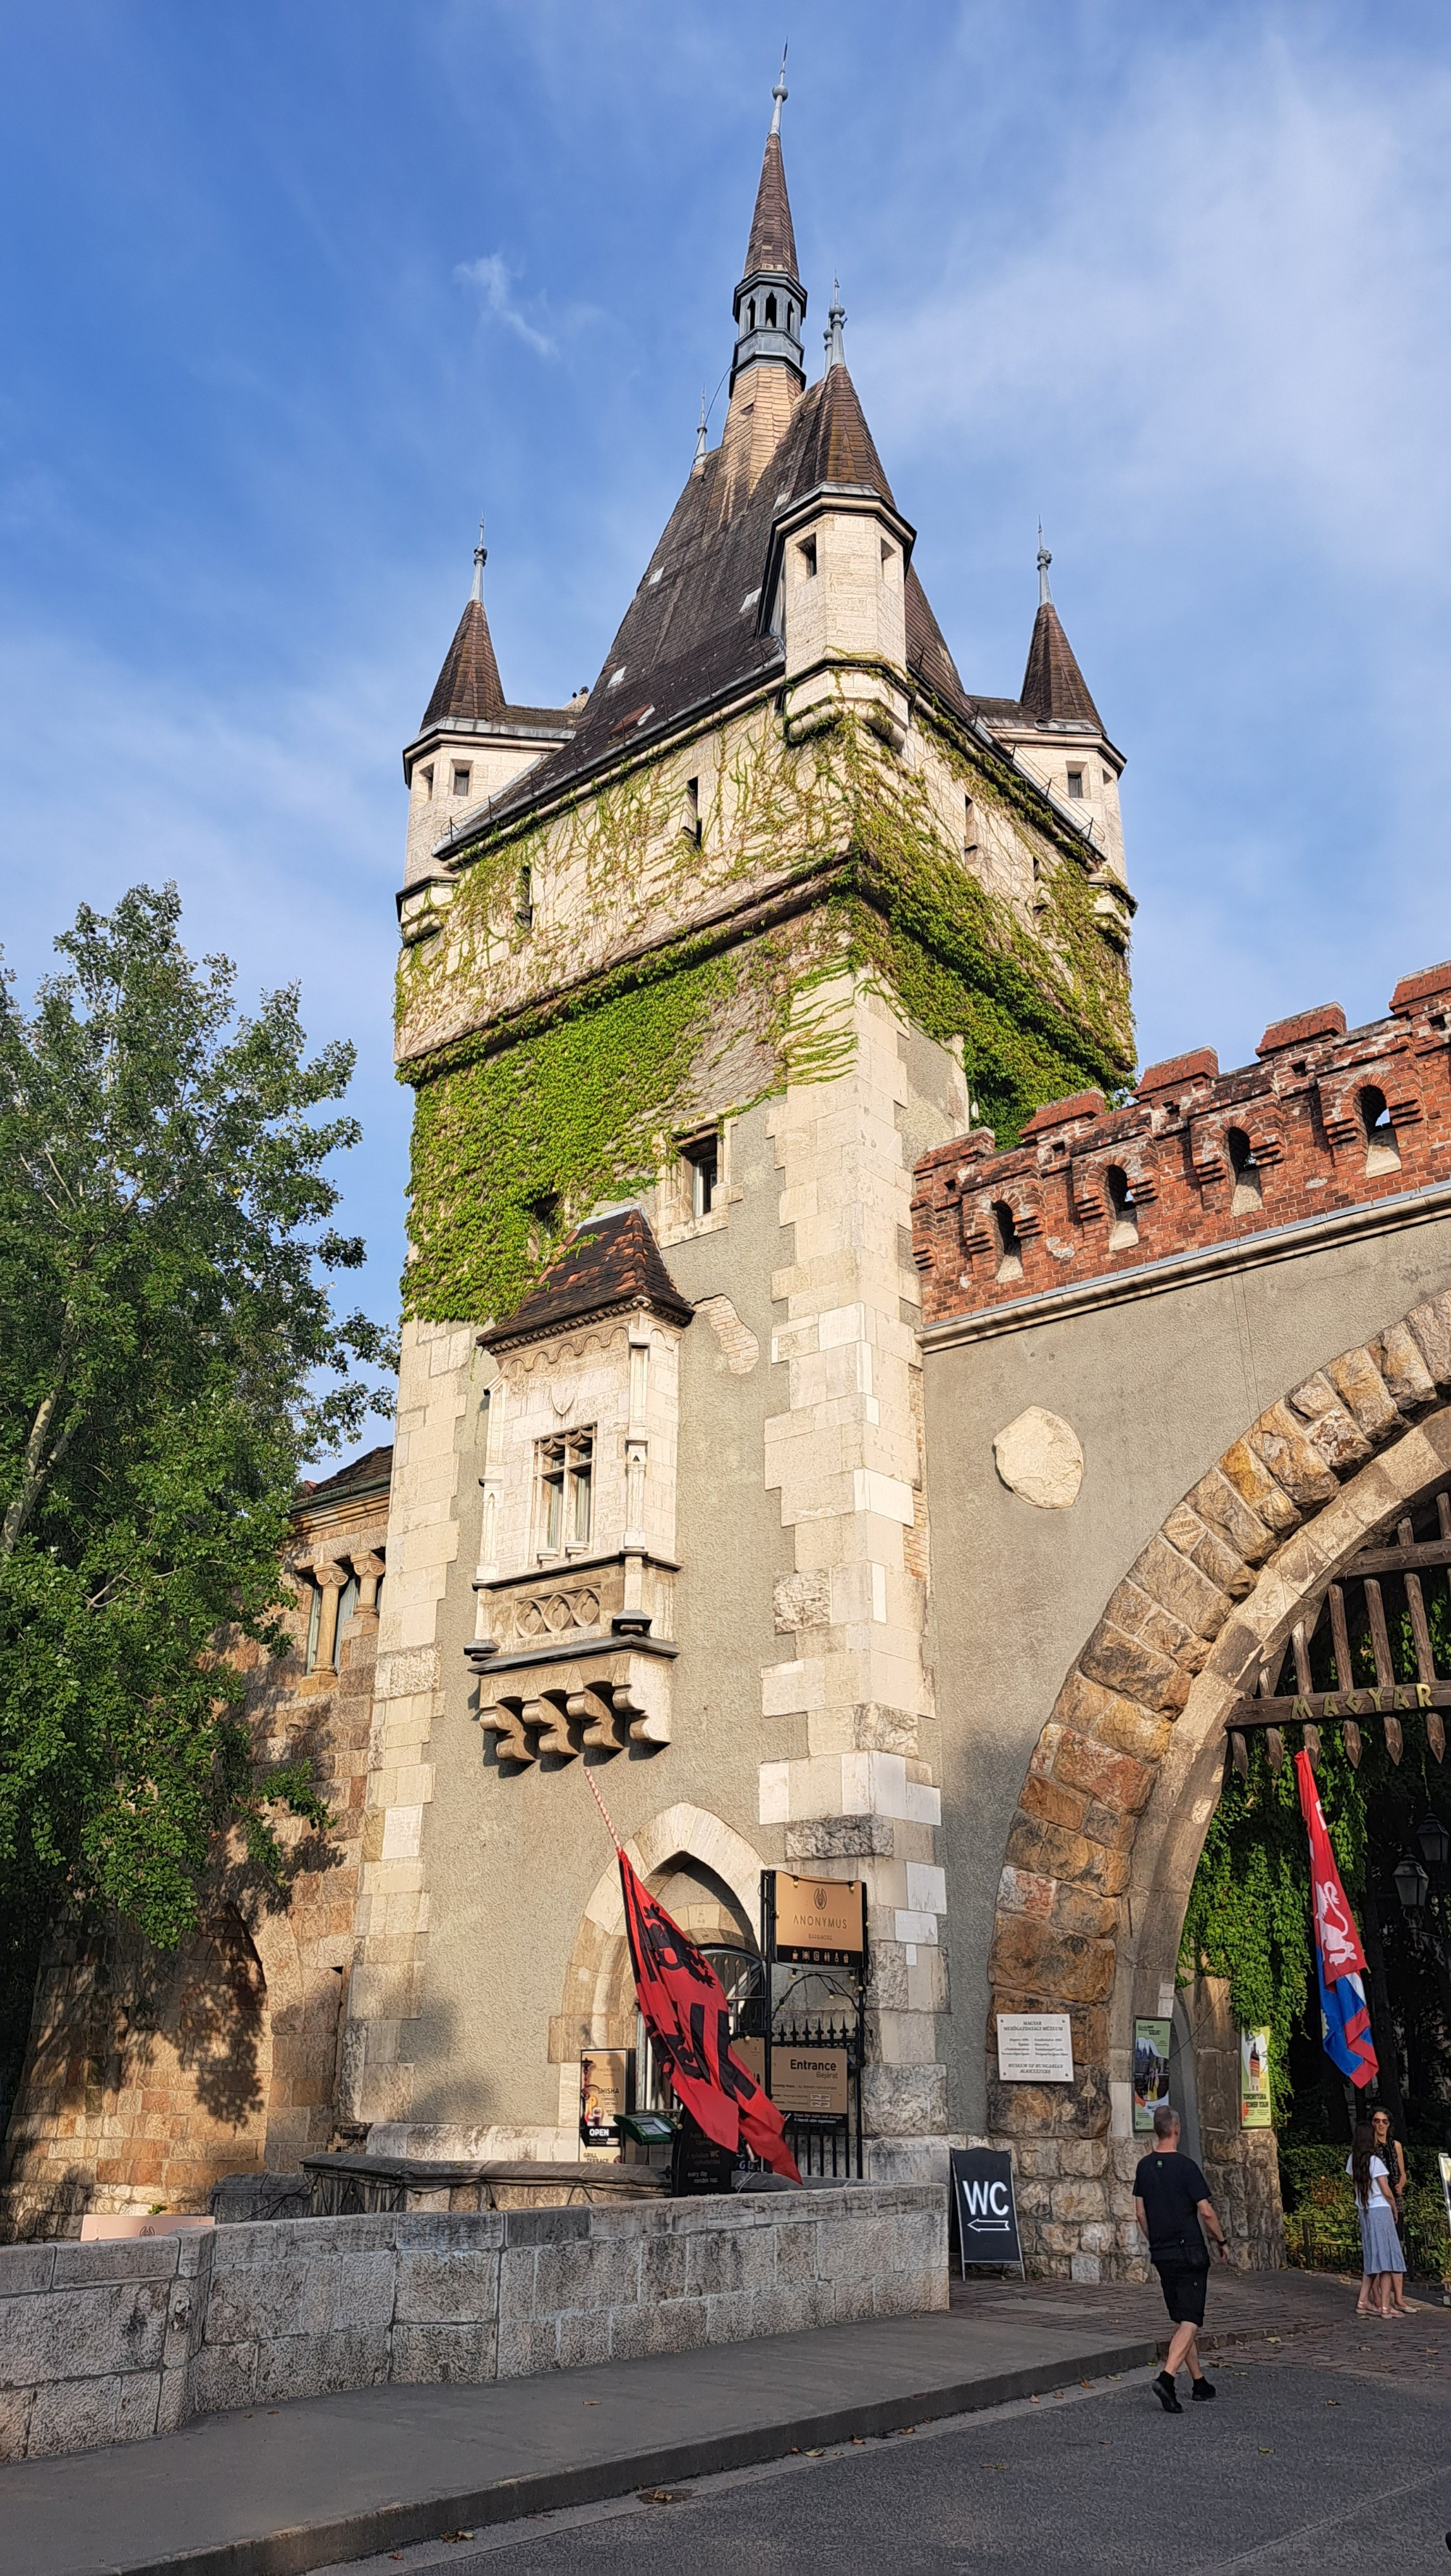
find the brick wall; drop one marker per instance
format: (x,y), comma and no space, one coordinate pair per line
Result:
(1195,1159)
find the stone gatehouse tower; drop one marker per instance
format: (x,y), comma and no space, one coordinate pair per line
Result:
(694,970)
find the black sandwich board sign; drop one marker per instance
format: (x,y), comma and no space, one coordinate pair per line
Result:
(983,2203)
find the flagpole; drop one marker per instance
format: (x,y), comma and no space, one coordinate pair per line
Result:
(604,1810)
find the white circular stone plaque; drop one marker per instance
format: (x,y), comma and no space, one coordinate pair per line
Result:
(1039,1457)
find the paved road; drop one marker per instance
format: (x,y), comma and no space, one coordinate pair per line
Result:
(1330,2452)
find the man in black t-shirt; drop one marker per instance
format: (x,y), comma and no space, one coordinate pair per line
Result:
(1171,2197)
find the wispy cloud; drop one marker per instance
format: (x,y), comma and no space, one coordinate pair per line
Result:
(491,279)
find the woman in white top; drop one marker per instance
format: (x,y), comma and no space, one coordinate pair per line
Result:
(1380,2246)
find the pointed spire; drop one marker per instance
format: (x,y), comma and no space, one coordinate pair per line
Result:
(468,689)
(832,335)
(770,301)
(700,446)
(1054,690)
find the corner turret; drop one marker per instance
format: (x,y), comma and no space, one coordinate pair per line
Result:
(1059,736)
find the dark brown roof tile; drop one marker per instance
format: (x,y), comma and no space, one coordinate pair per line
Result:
(611,1261)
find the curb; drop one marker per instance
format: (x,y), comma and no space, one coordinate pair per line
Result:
(309,2546)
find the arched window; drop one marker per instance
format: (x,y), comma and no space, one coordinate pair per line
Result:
(1382,1153)
(1010,1250)
(770,312)
(790,317)
(1123,1226)
(1248,1194)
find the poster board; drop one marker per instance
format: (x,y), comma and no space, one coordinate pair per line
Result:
(1034,2048)
(606,2088)
(1254,2080)
(1151,2071)
(820,1922)
(984,2207)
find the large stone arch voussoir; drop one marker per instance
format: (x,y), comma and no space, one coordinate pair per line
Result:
(1113,1810)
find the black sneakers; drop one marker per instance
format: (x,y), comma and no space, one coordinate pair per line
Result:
(1202,2390)
(1167,2394)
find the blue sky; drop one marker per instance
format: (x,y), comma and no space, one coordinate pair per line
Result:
(291,290)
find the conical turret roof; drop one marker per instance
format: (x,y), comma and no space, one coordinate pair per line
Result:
(468,689)
(773,241)
(1054,689)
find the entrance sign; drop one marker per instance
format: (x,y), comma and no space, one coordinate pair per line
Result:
(605,2090)
(1151,2071)
(1034,2048)
(809,2079)
(820,1922)
(982,2200)
(1254,2079)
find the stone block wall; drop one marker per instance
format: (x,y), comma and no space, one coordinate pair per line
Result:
(1089,1193)
(114,2342)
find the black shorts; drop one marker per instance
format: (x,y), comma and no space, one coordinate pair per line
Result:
(1183,2285)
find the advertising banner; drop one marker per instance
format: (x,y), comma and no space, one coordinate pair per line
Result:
(1254,2079)
(1151,2071)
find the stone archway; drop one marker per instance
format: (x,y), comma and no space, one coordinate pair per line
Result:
(598,2003)
(1118,1794)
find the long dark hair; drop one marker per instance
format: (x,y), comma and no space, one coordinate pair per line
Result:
(1362,2149)
(1380,2111)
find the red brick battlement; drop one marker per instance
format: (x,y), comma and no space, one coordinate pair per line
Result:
(1326,1118)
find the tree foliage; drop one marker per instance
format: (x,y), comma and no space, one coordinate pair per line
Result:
(169,1359)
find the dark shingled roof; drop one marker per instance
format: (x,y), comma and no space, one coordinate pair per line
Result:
(773,242)
(375,1467)
(691,631)
(1054,688)
(610,1261)
(468,687)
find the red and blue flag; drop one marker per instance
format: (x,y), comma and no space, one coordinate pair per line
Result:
(1339,1958)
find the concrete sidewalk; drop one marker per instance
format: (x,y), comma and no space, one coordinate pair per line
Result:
(272,2493)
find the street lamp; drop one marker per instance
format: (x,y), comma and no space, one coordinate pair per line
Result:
(1412,1885)
(1434,1840)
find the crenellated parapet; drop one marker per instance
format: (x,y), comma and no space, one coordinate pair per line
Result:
(1325,1119)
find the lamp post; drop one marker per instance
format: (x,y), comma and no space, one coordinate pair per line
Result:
(1434,1840)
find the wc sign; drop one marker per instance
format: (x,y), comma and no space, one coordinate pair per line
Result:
(983,2205)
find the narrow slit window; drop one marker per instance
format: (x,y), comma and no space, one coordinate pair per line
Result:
(1075,785)
(692,811)
(1382,1153)
(1010,1249)
(1248,1192)
(807,552)
(461,777)
(427,777)
(1123,1228)
(969,825)
(524,898)
(770,312)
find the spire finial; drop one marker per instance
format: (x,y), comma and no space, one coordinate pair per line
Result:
(835,345)
(481,557)
(780,94)
(1044,560)
(700,450)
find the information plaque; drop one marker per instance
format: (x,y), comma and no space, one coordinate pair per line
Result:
(1035,2048)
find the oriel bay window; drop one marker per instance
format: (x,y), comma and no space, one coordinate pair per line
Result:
(566,1492)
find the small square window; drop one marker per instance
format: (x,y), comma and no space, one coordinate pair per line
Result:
(566,1492)
(1075,783)
(702,1162)
(461,777)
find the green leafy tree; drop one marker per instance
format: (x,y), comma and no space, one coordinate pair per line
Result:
(169,1359)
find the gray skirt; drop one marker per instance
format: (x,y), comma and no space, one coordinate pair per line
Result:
(1380,2246)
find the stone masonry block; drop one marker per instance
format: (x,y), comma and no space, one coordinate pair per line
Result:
(73,2415)
(223,2376)
(116,2327)
(1253,1483)
(1058,1802)
(1364,1393)
(586,2276)
(732,2262)
(15,2406)
(1179,1587)
(451,2287)
(583,2338)
(664,2266)
(1407,1379)
(1280,1441)
(1115,1779)
(1430,1325)
(1122,1664)
(316,2365)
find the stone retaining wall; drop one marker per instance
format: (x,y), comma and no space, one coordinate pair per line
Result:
(113,2342)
